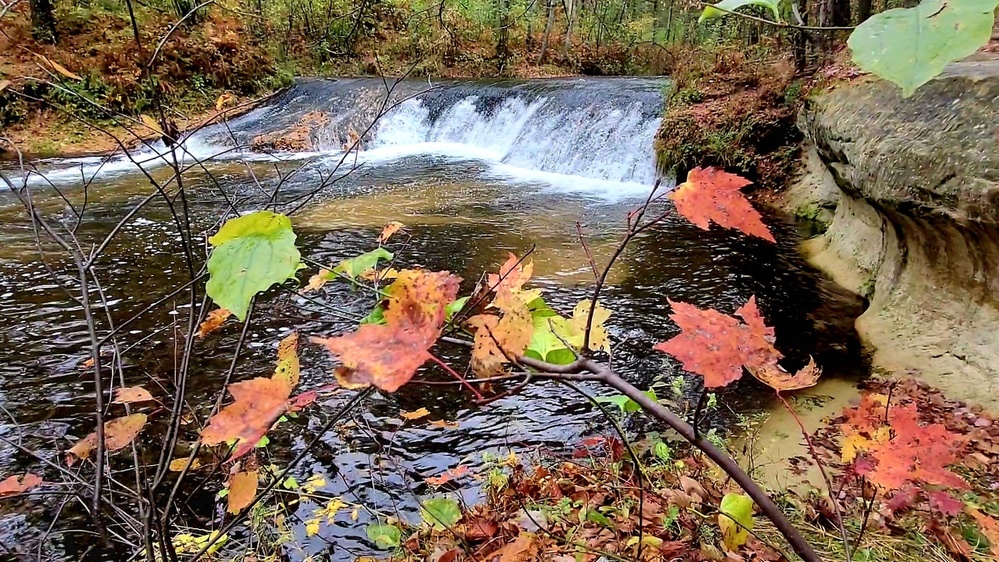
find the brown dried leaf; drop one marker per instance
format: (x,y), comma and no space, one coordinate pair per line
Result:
(415,415)
(318,280)
(780,380)
(242,490)
(130,394)
(118,433)
(60,68)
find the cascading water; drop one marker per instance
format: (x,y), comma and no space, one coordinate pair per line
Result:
(580,134)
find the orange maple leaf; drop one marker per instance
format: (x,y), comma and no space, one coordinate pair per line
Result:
(213,321)
(388,355)
(499,340)
(713,195)
(448,475)
(508,284)
(717,346)
(390,229)
(914,452)
(14,485)
(257,404)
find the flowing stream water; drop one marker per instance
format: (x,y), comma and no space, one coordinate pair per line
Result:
(475,170)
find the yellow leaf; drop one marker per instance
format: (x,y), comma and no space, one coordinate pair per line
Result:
(312,527)
(151,123)
(288,368)
(224,100)
(3,85)
(379,274)
(356,513)
(318,280)
(411,416)
(60,68)
(242,490)
(573,330)
(443,424)
(177,465)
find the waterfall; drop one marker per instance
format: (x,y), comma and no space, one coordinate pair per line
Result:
(569,131)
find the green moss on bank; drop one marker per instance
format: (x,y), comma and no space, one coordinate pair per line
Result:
(736,112)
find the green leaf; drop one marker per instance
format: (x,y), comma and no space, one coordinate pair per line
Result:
(454,308)
(599,518)
(712,12)
(627,405)
(909,46)
(290,483)
(671,517)
(357,265)
(264,441)
(442,513)
(545,345)
(735,518)
(376,316)
(251,253)
(540,309)
(385,537)
(663,452)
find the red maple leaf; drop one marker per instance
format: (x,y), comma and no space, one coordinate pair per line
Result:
(711,194)
(388,355)
(902,450)
(717,346)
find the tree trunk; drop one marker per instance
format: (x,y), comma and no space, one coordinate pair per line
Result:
(840,15)
(502,41)
(550,7)
(863,11)
(43,23)
(570,12)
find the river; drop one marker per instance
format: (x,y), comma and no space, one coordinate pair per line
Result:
(474,170)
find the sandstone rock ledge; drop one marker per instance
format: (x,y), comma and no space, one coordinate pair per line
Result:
(915,187)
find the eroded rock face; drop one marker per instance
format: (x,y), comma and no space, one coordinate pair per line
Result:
(916,227)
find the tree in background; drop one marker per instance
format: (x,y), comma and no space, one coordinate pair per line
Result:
(43,22)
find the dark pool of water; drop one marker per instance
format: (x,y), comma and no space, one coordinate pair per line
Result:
(460,220)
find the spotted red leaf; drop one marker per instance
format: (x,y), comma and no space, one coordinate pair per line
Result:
(713,195)
(717,346)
